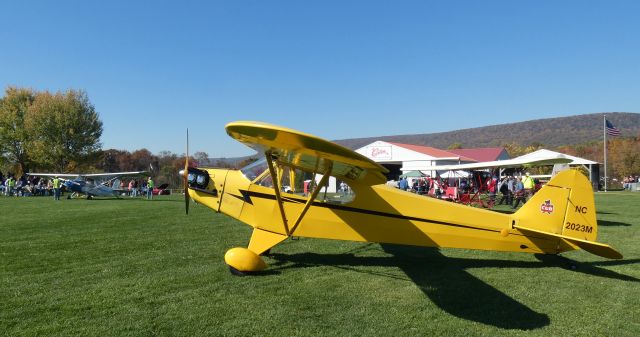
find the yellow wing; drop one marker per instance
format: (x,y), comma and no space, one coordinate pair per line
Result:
(306,152)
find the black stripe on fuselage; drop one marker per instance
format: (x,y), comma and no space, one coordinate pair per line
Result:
(246,196)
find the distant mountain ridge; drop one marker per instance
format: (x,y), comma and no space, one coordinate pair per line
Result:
(550,132)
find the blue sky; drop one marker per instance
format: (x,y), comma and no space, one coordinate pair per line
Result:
(336,69)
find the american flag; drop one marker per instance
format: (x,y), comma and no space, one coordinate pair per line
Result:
(612,130)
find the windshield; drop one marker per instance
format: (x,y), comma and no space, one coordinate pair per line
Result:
(255,169)
(298,182)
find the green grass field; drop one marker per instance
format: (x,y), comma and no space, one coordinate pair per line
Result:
(143,268)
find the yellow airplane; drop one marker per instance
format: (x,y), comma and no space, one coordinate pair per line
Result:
(306,186)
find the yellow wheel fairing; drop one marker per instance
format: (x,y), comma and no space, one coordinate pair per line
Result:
(244,260)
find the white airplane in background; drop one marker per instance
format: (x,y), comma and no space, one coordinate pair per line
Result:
(548,159)
(93,184)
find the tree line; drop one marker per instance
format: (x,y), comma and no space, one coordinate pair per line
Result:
(623,154)
(60,132)
(53,131)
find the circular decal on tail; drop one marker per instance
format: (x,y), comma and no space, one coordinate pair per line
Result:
(546,207)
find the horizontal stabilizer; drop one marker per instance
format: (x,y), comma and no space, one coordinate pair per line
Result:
(596,248)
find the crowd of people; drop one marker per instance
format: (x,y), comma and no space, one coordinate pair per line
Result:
(425,185)
(24,186)
(29,186)
(514,190)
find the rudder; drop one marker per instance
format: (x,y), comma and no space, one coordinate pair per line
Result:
(564,210)
(564,206)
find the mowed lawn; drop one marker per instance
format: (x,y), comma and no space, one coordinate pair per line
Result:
(143,268)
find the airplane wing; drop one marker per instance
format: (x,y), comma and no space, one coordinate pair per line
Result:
(116,174)
(516,162)
(91,175)
(53,175)
(306,152)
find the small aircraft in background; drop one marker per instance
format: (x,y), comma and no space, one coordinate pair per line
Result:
(93,184)
(522,161)
(292,192)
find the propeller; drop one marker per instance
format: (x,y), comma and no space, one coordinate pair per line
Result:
(185,176)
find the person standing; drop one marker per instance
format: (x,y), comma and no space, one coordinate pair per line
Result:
(511,184)
(504,190)
(130,188)
(135,187)
(519,193)
(56,188)
(491,188)
(150,188)
(529,186)
(403,184)
(11,184)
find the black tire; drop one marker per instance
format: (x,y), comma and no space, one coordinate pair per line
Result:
(236,272)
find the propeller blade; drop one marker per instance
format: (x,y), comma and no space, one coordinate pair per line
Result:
(185,176)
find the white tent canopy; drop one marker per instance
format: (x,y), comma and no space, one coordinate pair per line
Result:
(546,154)
(453,174)
(537,158)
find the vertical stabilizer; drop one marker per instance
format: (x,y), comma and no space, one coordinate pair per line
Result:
(564,210)
(546,210)
(563,206)
(580,219)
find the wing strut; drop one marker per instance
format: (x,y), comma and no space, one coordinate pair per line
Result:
(313,195)
(276,188)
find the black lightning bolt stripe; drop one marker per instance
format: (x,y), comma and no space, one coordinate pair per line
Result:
(246,196)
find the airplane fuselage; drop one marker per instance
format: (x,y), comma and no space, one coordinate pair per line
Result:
(89,189)
(378,213)
(292,192)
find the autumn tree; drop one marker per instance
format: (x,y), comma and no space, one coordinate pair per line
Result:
(115,160)
(624,156)
(14,136)
(514,149)
(169,165)
(144,160)
(201,157)
(65,129)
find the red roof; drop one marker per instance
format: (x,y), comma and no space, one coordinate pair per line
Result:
(481,154)
(433,152)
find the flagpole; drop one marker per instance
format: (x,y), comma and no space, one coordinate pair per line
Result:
(604,134)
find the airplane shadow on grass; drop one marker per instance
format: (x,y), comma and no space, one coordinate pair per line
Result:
(445,281)
(612,223)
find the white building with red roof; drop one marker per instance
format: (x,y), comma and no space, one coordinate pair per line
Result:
(483,154)
(403,158)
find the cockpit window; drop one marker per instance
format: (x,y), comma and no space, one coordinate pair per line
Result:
(297,182)
(334,191)
(255,169)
